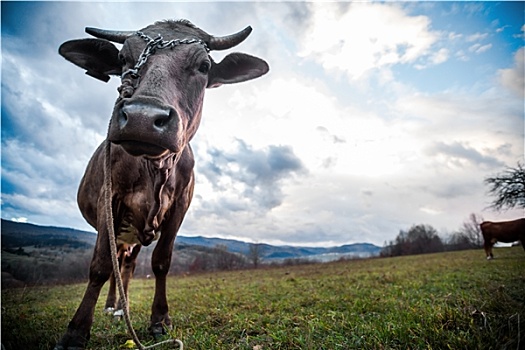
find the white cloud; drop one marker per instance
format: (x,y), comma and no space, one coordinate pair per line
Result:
(513,78)
(522,34)
(501,29)
(458,155)
(454,36)
(440,56)
(431,211)
(19,219)
(54,211)
(477,37)
(482,122)
(478,48)
(366,37)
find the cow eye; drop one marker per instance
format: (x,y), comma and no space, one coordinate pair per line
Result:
(122,59)
(204,68)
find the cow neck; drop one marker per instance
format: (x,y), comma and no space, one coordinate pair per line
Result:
(161,170)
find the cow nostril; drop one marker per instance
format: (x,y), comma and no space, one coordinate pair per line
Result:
(123,118)
(161,120)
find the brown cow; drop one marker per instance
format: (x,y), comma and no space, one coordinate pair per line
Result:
(505,231)
(164,70)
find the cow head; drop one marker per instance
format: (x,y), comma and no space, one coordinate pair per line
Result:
(164,70)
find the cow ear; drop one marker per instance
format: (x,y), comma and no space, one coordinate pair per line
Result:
(236,68)
(98,57)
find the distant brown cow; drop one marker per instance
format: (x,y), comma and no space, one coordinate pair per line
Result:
(164,70)
(505,231)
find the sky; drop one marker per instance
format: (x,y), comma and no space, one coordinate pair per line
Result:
(374,117)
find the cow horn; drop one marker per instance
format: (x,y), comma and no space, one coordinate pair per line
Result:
(111,35)
(229,41)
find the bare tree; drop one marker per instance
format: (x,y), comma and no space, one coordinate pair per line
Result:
(225,260)
(468,236)
(472,231)
(508,187)
(254,254)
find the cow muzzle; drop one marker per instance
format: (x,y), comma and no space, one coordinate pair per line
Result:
(145,129)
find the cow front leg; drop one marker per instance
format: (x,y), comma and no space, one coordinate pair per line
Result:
(161,258)
(160,263)
(78,330)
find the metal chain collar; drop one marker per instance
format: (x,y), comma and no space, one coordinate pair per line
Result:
(152,46)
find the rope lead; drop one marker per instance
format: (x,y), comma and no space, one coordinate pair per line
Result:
(113,246)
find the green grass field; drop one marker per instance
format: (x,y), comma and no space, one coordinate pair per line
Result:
(454,300)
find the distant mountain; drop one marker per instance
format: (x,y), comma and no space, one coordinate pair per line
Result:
(15,235)
(267,251)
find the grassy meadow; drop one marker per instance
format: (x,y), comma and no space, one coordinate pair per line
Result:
(454,300)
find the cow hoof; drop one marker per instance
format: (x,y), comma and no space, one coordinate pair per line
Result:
(489,258)
(72,340)
(109,310)
(159,329)
(61,347)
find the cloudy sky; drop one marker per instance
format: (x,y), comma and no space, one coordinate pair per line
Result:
(373,118)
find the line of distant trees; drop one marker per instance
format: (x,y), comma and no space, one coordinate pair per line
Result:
(51,266)
(422,239)
(67,267)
